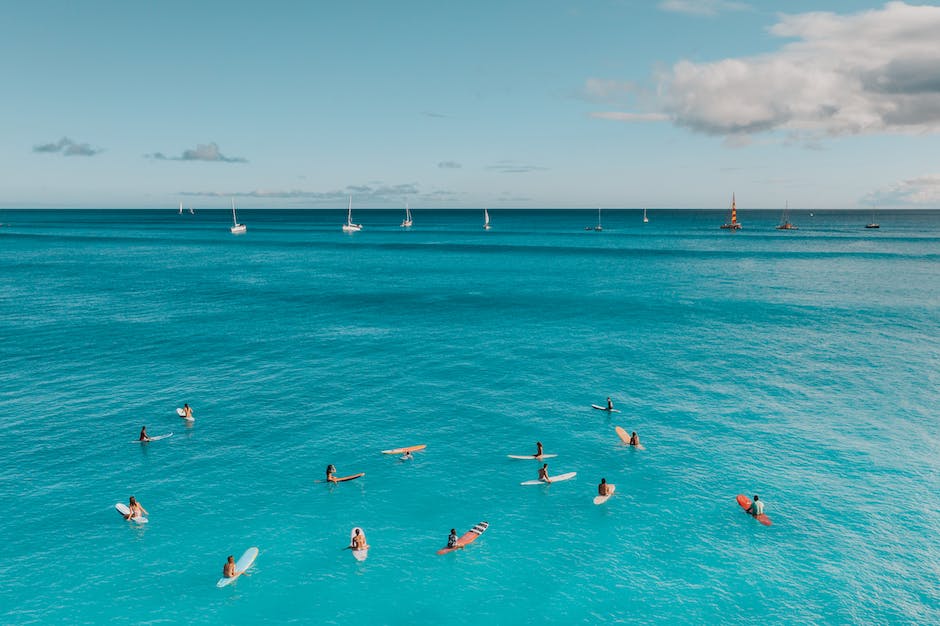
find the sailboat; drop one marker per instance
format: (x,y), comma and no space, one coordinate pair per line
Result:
(785,223)
(349,227)
(734,224)
(873,223)
(237,229)
(181,209)
(598,227)
(646,220)
(406,223)
(191,212)
(486,219)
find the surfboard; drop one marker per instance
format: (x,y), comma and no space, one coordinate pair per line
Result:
(405,449)
(554,479)
(745,503)
(182,414)
(359,554)
(157,438)
(604,408)
(624,437)
(531,456)
(467,538)
(603,499)
(343,479)
(123,510)
(241,566)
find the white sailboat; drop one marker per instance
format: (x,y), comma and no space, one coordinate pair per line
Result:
(646,220)
(406,223)
(349,227)
(181,209)
(191,212)
(237,229)
(598,227)
(486,219)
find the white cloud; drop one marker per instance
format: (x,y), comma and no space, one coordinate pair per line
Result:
(701,7)
(67,147)
(876,71)
(624,116)
(921,191)
(202,152)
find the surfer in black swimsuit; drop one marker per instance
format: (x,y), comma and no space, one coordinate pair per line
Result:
(452,540)
(610,405)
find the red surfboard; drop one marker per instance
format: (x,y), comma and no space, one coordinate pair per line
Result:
(468,537)
(745,503)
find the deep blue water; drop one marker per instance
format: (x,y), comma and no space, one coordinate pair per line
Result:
(802,366)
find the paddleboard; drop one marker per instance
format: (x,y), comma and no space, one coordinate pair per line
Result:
(182,414)
(157,438)
(359,554)
(554,479)
(123,510)
(745,503)
(468,537)
(604,408)
(603,499)
(405,449)
(624,437)
(531,456)
(343,479)
(241,566)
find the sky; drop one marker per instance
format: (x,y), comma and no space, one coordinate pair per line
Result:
(827,104)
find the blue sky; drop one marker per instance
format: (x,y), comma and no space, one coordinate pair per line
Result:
(543,103)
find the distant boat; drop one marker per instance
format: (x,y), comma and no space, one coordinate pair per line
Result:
(598,227)
(181,209)
(237,229)
(486,219)
(645,219)
(191,212)
(873,223)
(349,227)
(407,221)
(785,223)
(734,224)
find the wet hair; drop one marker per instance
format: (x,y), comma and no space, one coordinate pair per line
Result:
(756,497)
(133,501)
(331,467)
(544,465)
(357,531)
(230,558)
(453,531)
(603,480)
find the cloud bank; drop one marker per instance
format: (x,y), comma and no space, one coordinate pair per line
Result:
(366,194)
(512,167)
(919,191)
(67,147)
(449,165)
(202,152)
(701,7)
(876,71)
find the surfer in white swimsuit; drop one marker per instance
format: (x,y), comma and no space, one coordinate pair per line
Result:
(543,473)
(136,510)
(228,570)
(452,539)
(757,507)
(143,434)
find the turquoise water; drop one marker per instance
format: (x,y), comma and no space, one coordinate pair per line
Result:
(802,366)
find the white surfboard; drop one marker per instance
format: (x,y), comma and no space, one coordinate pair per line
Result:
(359,554)
(604,408)
(124,511)
(603,499)
(157,438)
(241,566)
(554,479)
(182,414)
(531,456)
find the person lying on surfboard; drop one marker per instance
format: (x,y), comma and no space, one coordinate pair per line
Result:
(757,507)
(543,473)
(452,539)
(135,509)
(634,439)
(143,434)
(603,489)
(359,541)
(228,570)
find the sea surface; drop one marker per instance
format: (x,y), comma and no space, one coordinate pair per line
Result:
(802,366)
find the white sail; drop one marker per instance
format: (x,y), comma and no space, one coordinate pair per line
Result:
(236,228)
(181,208)
(349,227)
(486,219)
(598,227)
(645,219)
(408,221)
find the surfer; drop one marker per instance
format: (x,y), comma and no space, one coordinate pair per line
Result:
(143,434)
(604,489)
(135,509)
(359,540)
(228,570)
(634,439)
(452,539)
(543,473)
(757,507)
(187,411)
(407,456)
(538,446)
(331,473)
(610,405)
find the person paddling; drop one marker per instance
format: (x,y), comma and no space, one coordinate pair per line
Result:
(543,473)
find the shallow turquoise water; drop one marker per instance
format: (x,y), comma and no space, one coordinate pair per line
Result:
(802,366)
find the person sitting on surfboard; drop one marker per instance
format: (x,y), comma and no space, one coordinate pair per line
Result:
(538,446)
(757,507)
(359,541)
(603,489)
(135,509)
(187,411)
(634,439)
(330,473)
(228,570)
(452,539)
(610,405)
(543,473)
(143,434)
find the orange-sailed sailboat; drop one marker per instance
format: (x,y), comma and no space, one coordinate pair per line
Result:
(734,224)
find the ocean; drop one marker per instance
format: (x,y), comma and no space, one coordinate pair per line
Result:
(801,366)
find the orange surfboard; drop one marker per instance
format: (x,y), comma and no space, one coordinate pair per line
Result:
(745,503)
(624,437)
(468,537)
(405,449)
